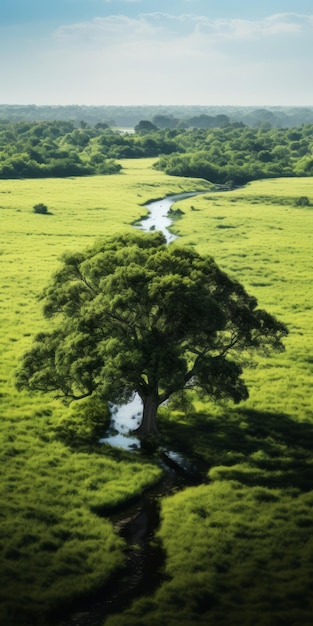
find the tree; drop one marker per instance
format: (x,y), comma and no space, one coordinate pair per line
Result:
(303,201)
(40,208)
(145,126)
(135,315)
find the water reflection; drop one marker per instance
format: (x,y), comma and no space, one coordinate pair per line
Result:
(124,419)
(158,218)
(121,441)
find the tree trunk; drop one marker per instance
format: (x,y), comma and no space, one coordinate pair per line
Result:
(148,426)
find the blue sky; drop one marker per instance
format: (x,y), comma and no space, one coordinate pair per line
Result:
(127,52)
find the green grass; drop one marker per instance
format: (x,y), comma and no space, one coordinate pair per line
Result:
(235,555)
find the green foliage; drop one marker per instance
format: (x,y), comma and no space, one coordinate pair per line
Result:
(239,549)
(54,547)
(236,154)
(40,208)
(145,126)
(51,149)
(85,424)
(203,147)
(303,201)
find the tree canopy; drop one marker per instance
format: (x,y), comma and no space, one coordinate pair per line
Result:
(221,152)
(132,314)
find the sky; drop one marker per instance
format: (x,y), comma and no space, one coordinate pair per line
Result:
(156,52)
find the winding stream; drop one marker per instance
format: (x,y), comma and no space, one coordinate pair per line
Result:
(159,218)
(139,522)
(127,417)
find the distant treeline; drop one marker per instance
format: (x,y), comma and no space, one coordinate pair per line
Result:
(223,152)
(173,116)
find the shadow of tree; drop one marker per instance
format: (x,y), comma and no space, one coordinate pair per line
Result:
(253,447)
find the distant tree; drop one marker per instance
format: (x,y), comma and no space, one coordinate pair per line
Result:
(144,126)
(265,156)
(165,121)
(303,201)
(201,121)
(135,315)
(40,208)
(101,125)
(221,119)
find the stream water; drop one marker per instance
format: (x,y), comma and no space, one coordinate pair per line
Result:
(159,218)
(137,523)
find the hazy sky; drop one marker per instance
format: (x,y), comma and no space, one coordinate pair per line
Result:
(239,52)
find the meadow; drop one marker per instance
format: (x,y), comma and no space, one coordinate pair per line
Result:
(239,545)
(54,545)
(239,549)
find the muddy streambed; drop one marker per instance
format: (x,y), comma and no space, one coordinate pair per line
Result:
(144,556)
(138,523)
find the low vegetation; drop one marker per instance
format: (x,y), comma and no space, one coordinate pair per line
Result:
(40,208)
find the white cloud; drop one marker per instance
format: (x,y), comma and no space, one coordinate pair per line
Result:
(225,29)
(219,29)
(188,36)
(106,30)
(160,58)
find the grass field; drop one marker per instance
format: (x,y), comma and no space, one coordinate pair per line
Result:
(54,546)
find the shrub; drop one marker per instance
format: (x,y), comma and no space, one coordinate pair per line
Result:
(41,208)
(303,201)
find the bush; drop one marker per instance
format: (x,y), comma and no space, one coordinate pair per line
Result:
(303,201)
(86,423)
(41,208)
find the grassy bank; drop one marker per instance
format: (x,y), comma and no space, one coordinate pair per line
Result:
(54,547)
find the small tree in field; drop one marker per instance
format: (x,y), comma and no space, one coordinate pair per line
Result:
(303,201)
(133,315)
(41,208)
